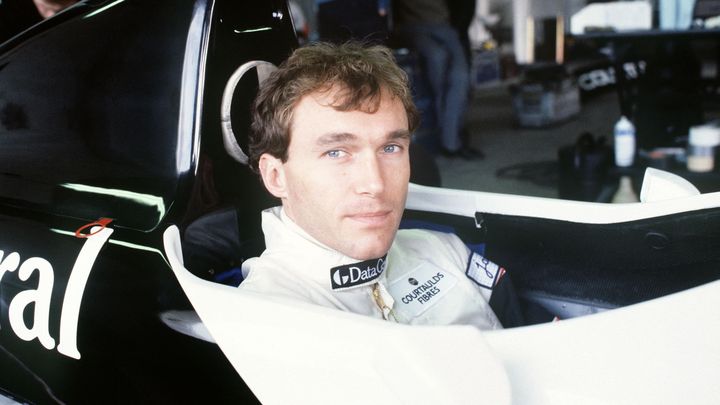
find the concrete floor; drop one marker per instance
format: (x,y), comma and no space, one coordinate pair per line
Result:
(533,151)
(491,123)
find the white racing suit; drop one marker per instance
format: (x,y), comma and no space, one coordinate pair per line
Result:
(427,277)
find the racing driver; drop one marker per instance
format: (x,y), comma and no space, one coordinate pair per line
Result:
(330,138)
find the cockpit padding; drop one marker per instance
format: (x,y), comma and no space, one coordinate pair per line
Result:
(213,248)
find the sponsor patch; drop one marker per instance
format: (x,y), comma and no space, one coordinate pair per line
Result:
(483,272)
(355,274)
(422,288)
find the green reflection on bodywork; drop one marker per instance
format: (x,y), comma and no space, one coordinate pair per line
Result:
(146,200)
(101,9)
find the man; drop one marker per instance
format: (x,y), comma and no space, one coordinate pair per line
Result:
(330,138)
(425,26)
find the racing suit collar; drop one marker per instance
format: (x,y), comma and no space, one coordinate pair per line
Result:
(326,266)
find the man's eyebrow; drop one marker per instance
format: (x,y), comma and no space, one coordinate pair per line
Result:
(399,134)
(341,137)
(334,138)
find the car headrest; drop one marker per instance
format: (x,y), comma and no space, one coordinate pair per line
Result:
(254,73)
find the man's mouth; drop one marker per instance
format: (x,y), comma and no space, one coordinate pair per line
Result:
(371,217)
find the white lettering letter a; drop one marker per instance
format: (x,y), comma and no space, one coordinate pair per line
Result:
(41,298)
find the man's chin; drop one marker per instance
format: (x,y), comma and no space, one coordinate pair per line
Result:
(369,250)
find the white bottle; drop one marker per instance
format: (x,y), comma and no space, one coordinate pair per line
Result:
(624,142)
(701,148)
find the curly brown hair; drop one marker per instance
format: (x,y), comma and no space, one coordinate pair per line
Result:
(361,71)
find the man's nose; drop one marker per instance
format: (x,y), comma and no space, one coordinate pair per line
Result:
(369,178)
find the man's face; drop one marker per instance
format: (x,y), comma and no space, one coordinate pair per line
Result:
(346,177)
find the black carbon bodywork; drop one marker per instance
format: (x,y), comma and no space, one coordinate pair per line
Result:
(111,109)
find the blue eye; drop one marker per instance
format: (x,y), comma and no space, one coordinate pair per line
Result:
(334,154)
(391,148)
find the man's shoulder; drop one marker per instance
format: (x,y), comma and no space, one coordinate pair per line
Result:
(426,237)
(429,243)
(269,278)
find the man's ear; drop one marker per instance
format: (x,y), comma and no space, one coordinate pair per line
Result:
(272,172)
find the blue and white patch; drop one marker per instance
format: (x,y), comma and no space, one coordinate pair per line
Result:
(420,289)
(483,272)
